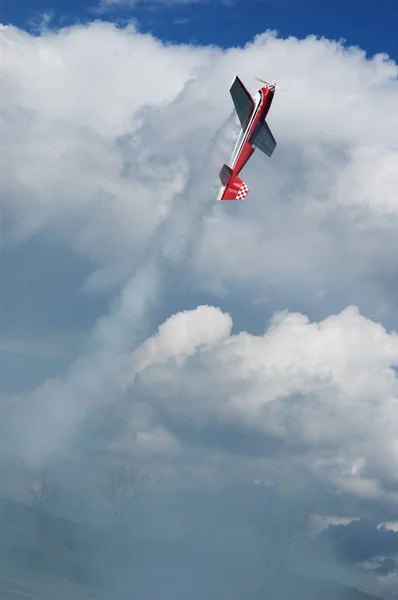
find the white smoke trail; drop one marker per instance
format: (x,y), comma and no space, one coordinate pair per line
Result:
(96,377)
(181,231)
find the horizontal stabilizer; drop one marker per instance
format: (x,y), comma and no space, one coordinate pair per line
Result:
(263,139)
(235,190)
(243,101)
(225,174)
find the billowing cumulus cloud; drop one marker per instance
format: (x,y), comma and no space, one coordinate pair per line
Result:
(117,258)
(182,335)
(326,390)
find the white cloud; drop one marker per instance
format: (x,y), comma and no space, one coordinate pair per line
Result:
(91,76)
(182,335)
(106,4)
(313,194)
(113,144)
(327,390)
(70,115)
(320,522)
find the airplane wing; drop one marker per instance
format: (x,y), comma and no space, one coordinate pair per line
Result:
(263,139)
(244,103)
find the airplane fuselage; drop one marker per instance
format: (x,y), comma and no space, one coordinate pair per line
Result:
(243,149)
(254,133)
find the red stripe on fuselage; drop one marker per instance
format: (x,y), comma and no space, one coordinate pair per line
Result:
(260,114)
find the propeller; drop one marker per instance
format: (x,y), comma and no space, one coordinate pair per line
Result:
(271,84)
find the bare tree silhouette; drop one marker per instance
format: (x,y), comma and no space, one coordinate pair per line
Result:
(123,485)
(41,490)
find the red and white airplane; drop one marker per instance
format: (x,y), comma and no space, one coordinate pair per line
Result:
(255,133)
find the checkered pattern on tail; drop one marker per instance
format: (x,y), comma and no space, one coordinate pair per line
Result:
(236,189)
(242,192)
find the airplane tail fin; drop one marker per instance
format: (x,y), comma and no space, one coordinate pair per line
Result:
(233,187)
(235,190)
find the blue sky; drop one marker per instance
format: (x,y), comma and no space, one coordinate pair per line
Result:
(361,22)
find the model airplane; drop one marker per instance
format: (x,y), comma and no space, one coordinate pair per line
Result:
(255,133)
